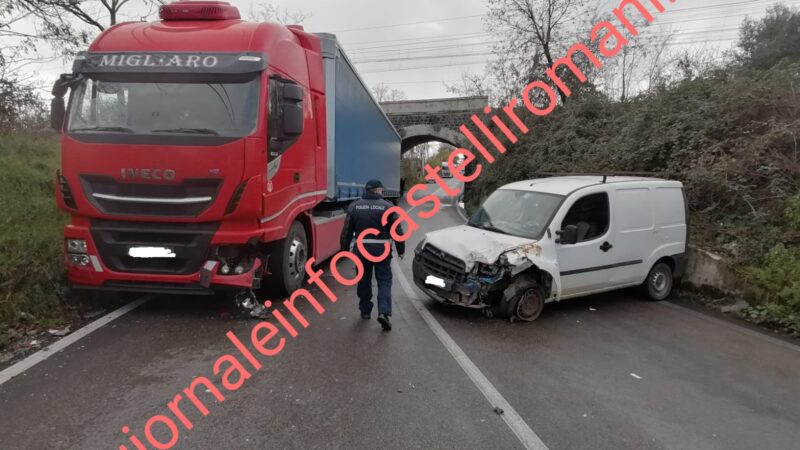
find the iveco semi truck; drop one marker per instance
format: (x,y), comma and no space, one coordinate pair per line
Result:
(202,152)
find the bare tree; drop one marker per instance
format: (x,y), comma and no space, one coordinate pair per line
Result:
(273,13)
(384,93)
(533,33)
(469,86)
(639,68)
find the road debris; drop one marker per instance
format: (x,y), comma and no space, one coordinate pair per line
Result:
(246,299)
(636,376)
(498,410)
(59,333)
(592,309)
(93,314)
(736,307)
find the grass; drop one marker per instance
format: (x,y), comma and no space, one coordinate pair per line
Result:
(31,261)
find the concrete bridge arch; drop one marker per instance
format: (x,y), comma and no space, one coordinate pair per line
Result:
(435,120)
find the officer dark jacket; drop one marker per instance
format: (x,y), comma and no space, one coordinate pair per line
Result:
(365,213)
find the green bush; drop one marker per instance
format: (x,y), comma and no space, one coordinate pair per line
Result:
(779,275)
(31,261)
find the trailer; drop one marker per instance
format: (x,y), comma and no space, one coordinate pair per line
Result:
(204,153)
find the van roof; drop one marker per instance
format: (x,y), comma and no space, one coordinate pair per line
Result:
(568,184)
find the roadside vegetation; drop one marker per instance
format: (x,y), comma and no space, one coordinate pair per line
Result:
(730,133)
(31,261)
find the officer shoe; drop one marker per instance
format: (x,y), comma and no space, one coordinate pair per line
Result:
(383,319)
(365,316)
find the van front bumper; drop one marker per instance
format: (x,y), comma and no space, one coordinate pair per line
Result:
(461,293)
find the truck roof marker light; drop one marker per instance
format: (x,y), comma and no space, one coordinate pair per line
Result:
(198,10)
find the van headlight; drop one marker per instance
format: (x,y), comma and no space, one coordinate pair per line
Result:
(488,269)
(419,248)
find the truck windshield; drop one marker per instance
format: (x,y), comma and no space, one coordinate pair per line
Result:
(518,213)
(227,108)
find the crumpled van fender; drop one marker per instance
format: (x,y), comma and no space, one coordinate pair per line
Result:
(528,265)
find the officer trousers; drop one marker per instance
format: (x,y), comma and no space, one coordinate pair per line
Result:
(383,274)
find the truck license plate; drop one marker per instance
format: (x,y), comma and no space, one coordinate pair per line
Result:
(151,252)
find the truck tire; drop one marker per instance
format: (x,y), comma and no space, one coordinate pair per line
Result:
(659,282)
(287,264)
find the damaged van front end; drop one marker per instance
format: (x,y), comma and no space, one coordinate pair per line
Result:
(480,269)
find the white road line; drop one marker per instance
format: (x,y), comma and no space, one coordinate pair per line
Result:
(731,326)
(524,433)
(68,340)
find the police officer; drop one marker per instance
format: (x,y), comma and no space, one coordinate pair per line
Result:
(364,214)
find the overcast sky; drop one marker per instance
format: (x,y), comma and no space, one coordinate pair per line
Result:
(380,35)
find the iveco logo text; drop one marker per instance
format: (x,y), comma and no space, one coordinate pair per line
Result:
(147,174)
(197,61)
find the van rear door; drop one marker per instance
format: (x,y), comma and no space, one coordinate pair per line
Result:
(633,211)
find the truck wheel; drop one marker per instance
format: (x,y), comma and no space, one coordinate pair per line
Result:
(288,263)
(658,284)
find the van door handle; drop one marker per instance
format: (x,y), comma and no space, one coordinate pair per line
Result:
(606,246)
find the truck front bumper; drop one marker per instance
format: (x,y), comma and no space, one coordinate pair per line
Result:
(190,271)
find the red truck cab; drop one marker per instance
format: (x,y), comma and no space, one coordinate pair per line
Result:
(194,155)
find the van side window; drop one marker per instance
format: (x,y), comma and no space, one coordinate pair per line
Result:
(591,215)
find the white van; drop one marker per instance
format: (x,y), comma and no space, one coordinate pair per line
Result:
(551,239)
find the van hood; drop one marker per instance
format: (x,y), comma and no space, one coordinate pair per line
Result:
(474,245)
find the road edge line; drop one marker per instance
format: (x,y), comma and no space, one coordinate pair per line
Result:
(518,426)
(21,366)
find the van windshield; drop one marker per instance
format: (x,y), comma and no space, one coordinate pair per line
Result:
(519,213)
(227,108)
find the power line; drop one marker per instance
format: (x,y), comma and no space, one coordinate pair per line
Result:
(694,17)
(424,49)
(381,27)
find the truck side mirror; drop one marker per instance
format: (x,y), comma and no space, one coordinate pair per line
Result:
(58,111)
(285,114)
(568,236)
(292,110)
(58,108)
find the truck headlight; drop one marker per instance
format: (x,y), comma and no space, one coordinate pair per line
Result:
(79,260)
(77,246)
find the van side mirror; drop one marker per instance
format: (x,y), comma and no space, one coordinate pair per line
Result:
(568,236)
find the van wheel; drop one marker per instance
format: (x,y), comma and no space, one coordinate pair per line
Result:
(288,262)
(659,282)
(528,305)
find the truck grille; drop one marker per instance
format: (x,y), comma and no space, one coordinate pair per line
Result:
(189,241)
(187,199)
(442,264)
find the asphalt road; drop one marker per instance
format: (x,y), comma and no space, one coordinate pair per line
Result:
(609,371)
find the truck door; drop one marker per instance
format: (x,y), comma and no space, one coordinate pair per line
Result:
(587,265)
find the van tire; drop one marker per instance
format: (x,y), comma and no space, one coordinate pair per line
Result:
(527,305)
(659,282)
(287,264)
